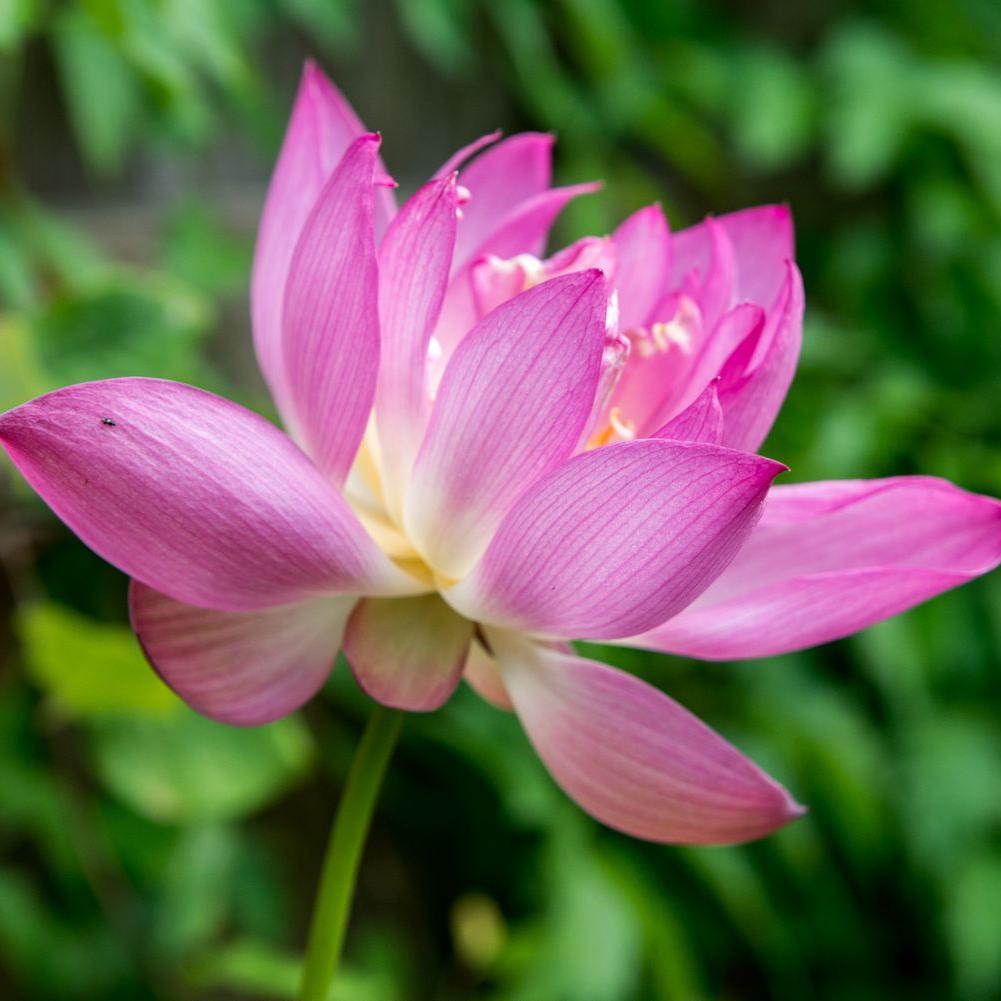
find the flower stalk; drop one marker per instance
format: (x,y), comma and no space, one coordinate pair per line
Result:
(344,849)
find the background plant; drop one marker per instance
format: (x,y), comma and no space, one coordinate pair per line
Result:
(149,853)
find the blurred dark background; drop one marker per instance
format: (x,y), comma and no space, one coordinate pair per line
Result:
(147,853)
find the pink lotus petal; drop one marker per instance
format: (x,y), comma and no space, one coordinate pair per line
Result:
(522,231)
(243,668)
(751,401)
(762,241)
(321,128)
(511,406)
(507,174)
(331,320)
(193,495)
(464,153)
(632,757)
(625,534)
(495,280)
(407,652)
(483,675)
(701,421)
(414,261)
(716,288)
(828,559)
(643,251)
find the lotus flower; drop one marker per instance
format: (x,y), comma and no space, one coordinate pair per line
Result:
(488,454)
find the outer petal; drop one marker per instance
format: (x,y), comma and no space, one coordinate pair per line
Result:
(762,242)
(512,405)
(624,534)
(507,174)
(244,668)
(643,252)
(193,495)
(414,262)
(407,652)
(751,401)
(483,675)
(632,757)
(702,421)
(321,128)
(828,559)
(331,316)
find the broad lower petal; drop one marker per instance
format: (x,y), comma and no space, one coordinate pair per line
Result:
(828,559)
(482,673)
(331,315)
(243,668)
(407,652)
(414,262)
(511,406)
(620,535)
(632,757)
(643,256)
(751,401)
(193,495)
(321,128)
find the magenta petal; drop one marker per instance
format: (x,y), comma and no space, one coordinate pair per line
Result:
(751,401)
(193,495)
(511,406)
(828,559)
(243,668)
(625,534)
(414,262)
(464,153)
(507,174)
(331,316)
(643,255)
(701,421)
(761,240)
(522,231)
(407,652)
(321,128)
(632,757)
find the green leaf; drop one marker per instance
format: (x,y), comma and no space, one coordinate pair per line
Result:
(131,324)
(773,107)
(188,769)
(89,668)
(17,19)
(102,91)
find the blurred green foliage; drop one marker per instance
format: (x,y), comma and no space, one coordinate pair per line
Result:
(149,853)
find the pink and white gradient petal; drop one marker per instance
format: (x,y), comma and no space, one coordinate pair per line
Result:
(193,495)
(407,653)
(643,256)
(625,534)
(829,559)
(321,128)
(242,668)
(331,318)
(414,261)
(511,406)
(631,756)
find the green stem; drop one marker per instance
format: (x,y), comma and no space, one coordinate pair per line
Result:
(344,849)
